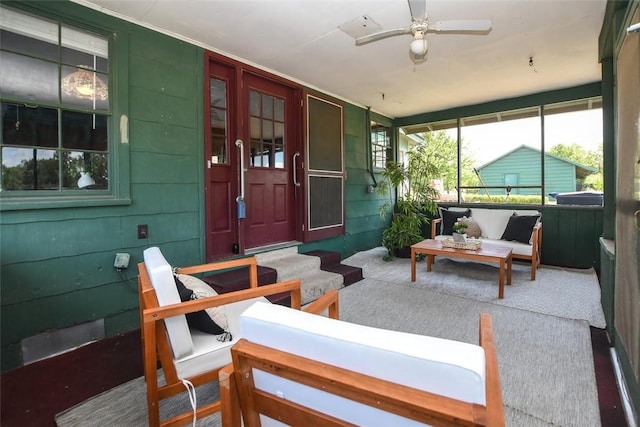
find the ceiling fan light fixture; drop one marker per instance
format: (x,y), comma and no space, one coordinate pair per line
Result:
(419,46)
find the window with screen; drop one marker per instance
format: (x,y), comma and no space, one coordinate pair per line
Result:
(538,155)
(381,150)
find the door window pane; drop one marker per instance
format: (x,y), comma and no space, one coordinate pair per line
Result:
(278,109)
(267,132)
(219,127)
(267,106)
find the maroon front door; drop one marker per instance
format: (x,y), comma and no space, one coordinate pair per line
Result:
(269,151)
(251,143)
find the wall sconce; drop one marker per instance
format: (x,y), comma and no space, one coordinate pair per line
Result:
(85,84)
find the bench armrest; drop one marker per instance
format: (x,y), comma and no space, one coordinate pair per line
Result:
(434,232)
(328,301)
(158,313)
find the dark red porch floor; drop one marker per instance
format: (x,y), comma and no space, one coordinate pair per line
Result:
(32,395)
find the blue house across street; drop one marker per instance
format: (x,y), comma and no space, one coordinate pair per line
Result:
(521,167)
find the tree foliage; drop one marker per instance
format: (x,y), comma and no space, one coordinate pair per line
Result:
(442,152)
(579,154)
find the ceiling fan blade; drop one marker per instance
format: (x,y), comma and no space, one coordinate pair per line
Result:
(462,25)
(381,35)
(418,9)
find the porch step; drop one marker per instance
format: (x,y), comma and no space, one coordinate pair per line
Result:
(330,261)
(317,270)
(289,264)
(238,279)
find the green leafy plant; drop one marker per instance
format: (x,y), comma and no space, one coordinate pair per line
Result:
(460,227)
(415,201)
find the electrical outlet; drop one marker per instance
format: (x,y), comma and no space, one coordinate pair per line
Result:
(121,262)
(143,231)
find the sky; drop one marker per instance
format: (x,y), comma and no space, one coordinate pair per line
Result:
(492,140)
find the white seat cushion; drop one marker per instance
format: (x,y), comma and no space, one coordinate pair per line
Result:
(209,353)
(440,366)
(517,248)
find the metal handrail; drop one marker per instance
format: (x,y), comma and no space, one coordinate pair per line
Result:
(240,145)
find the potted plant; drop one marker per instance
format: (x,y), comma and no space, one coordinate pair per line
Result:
(414,205)
(459,230)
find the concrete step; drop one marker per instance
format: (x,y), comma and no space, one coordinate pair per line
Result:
(318,271)
(330,261)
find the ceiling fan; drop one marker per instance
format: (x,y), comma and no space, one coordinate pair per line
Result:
(420,26)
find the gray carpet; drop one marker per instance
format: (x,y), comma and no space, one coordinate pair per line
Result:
(545,361)
(563,292)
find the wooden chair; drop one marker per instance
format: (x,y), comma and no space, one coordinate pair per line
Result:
(189,355)
(257,385)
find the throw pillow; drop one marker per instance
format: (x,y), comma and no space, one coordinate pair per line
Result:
(473,229)
(519,228)
(449,217)
(213,320)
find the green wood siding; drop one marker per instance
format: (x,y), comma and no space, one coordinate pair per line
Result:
(57,264)
(570,236)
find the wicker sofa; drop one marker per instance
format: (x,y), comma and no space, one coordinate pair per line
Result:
(520,230)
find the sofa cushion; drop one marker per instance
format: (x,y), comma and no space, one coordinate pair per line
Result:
(449,217)
(473,229)
(492,222)
(520,227)
(202,290)
(212,320)
(161,276)
(450,368)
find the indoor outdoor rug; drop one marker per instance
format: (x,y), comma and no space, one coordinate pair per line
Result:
(566,292)
(545,362)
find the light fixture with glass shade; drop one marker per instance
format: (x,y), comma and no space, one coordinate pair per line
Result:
(419,44)
(85,84)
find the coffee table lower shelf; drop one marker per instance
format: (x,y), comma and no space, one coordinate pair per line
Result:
(432,248)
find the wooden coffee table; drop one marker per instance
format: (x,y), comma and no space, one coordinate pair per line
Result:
(431,248)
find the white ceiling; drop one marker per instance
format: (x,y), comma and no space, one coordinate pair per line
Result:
(300,39)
